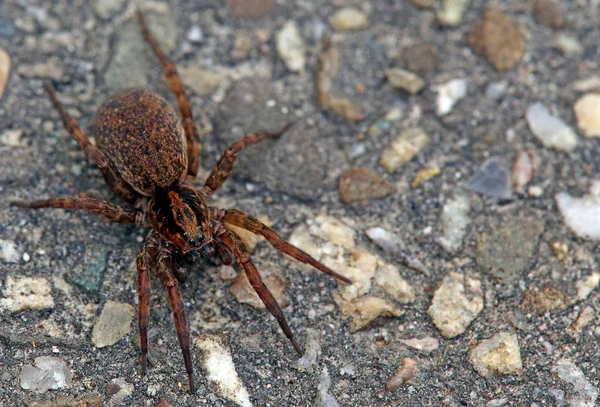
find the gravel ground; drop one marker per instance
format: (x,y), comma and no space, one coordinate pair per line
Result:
(470,234)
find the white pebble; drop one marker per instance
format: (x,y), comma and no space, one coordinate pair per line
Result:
(449,94)
(551,131)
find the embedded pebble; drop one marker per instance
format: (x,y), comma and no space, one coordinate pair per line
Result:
(547,13)
(499,355)
(587,111)
(49,373)
(497,38)
(12,137)
(496,90)
(388,241)
(360,184)
(120,390)
(195,34)
(388,277)
(220,370)
(427,344)
(8,252)
(449,94)
(493,179)
(454,221)
(591,84)
(113,323)
(324,397)
(404,148)
(202,81)
(587,315)
(550,130)
(27,293)
(568,44)
(52,68)
(290,47)
(312,352)
(348,19)
(405,374)
(586,285)
(456,303)
(423,175)
(525,165)
(421,57)
(104,8)
(4,70)
(451,12)
(366,309)
(250,9)
(245,294)
(582,215)
(545,299)
(583,393)
(405,80)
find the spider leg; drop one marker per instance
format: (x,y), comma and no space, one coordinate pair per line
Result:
(233,241)
(112,178)
(169,281)
(194,147)
(222,169)
(238,218)
(144,265)
(108,209)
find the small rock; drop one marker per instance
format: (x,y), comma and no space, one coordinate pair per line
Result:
(49,373)
(524,168)
(113,324)
(582,215)
(507,251)
(583,394)
(404,148)
(497,402)
(164,403)
(242,45)
(454,221)
(11,138)
(52,68)
(420,57)
(324,398)
(250,9)
(220,370)
(451,12)
(290,47)
(542,300)
(336,231)
(496,90)
(499,355)
(427,344)
(449,94)
(406,80)
(388,241)
(388,277)
(551,131)
(366,309)
(423,175)
(360,184)
(587,111)
(106,8)
(587,315)
(88,272)
(498,39)
(8,252)
(492,179)
(202,81)
(586,285)
(348,19)
(311,353)
(547,13)
(591,84)
(245,294)
(568,44)
(122,390)
(195,34)
(560,249)
(456,303)
(405,374)
(27,293)
(4,69)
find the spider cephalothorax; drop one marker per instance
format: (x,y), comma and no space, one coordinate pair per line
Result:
(147,157)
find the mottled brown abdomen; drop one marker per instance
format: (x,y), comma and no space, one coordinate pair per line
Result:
(143,137)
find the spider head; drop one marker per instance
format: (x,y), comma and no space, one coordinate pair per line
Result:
(180,216)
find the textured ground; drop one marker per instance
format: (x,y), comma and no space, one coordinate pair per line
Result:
(530,265)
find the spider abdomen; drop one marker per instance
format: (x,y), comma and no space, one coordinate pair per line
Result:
(144,138)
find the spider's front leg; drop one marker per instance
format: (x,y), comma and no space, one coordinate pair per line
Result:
(223,168)
(165,273)
(235,244)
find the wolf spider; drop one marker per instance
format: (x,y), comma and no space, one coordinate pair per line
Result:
(150,159)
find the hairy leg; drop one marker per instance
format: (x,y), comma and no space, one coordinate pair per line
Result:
(223,168)
(238,218)
(242,257)
(112,178)
(194,148)
(144,265)
(169,281)
(108,209)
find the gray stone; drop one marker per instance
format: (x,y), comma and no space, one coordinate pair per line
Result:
(49,373)
(87,272)
(8,252)
(454,222)
(583,393)
(114,323)
(499,355)
(492,179)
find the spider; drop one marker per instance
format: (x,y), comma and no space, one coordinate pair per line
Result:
(150,159)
